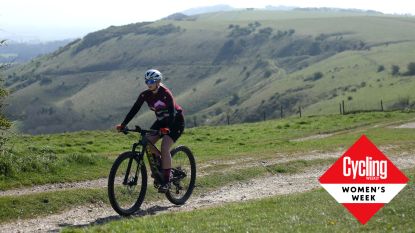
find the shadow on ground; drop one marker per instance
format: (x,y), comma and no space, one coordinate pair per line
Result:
(142,212)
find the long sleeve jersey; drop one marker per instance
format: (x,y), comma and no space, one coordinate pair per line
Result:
(162,103)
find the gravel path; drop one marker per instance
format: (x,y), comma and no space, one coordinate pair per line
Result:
(312,137)
(55,187)
(256,188)
(202,171)
(410,125)
(234,164)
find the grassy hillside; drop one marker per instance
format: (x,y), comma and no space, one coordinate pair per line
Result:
(239,63)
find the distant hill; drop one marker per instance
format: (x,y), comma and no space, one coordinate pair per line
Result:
(208,9)
(280,8)
(15,52)
(330,9)
(239,64)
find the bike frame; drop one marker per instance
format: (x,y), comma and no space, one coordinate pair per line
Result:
(143,142)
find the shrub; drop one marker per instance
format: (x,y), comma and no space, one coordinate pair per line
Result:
(247,74)
(267,31)
(267,74)
(381,68)
(6,166)
(402,103)
(230,50)
(45,81)
(234,100)
(395,70)
(316,76)
(411,69)
(40,160)
(314,49)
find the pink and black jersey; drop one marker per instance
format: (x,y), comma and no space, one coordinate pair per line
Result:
(162,103)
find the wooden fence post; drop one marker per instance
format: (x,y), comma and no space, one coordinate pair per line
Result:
(340,106)
(194,121)
(227,118)
(343,107)
(299,109)
(381,105)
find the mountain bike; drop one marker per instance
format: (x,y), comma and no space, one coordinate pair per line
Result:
(127,181)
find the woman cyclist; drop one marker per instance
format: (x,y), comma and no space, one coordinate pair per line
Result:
(170,120)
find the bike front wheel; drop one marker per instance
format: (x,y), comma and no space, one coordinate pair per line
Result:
(127,183)
(184,175)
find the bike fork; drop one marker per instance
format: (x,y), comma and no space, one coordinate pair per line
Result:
(127,173)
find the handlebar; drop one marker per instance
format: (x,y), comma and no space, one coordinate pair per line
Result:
(138,129)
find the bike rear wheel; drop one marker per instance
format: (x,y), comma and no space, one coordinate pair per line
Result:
(184,175)
(127,183)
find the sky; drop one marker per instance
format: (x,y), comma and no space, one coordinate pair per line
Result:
(61,19)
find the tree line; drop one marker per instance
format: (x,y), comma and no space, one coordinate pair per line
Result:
(4,123)
(396,70)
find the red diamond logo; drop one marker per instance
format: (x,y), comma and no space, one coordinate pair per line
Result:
(363,179)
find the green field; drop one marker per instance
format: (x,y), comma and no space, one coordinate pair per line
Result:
(89,154)
(222,154)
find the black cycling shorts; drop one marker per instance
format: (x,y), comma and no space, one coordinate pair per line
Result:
(177,129)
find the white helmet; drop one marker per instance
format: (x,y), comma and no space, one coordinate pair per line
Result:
(152,76)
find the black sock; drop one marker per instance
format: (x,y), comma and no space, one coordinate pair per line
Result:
(166,174)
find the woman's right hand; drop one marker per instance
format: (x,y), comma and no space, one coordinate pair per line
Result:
(120,128)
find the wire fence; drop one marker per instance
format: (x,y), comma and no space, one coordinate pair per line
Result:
(343,108)
(402,103)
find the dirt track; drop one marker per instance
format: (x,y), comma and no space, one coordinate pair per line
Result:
(257,188)
(99,183)
(410,125)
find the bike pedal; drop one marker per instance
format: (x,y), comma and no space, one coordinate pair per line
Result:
(162,189)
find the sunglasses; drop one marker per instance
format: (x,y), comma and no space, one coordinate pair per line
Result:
(150,81)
